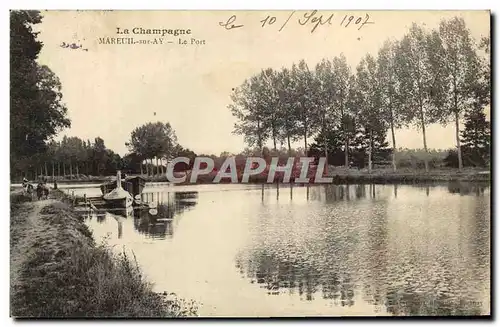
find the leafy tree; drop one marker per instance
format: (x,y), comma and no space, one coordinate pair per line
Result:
(270,102)
(476,137)
(368,94)
(358,146)
(483,86)
(333,141)
(75,153)
(132,163)
(114,161)
(389,91)
(306,105)
(288,107)
(184,152)
(343,100)
(462,71)
(246,109)
(374,140)
(420,81)
(36,109)
(99,155)
(325,93)
(153,140)
(52,148)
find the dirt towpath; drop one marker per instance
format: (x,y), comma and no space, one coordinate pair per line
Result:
(24,229)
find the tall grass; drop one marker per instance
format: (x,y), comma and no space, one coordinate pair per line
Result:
(91,282)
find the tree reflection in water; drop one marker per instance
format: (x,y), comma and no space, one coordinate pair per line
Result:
(101,217)
(159,223)
(328,252)
(280,263)
(462,188)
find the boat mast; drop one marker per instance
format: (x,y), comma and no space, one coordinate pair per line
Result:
(118,179)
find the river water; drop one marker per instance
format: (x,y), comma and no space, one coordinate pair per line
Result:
(249,250)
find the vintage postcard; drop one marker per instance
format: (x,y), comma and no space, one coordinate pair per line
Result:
(302,163)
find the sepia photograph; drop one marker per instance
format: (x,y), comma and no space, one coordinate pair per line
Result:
(250,163)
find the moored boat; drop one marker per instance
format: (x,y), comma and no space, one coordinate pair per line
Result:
(133,184)
(118,197)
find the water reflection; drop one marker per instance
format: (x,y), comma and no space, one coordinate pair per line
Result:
(335,249)
(334,193)
(467,188)
(156,222)
(397,258)
(121,213)
(100,217)
(159,222)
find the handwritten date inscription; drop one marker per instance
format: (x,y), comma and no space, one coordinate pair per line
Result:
(311,19)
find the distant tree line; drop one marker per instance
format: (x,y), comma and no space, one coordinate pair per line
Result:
(429,76)
(73,157)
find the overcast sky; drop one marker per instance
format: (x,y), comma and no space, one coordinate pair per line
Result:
(111,89)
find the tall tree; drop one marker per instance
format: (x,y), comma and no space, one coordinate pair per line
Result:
(370,115)
(482,90)
(389,91)
(166,148)
(420,80)
(153,140)
(270,99)
(325,94)
(52,153)
(462,71)
(305,93)
(246,109)
(333,140)
(476,137)
(36,109)
(288,107)
(99,155)
(342,83)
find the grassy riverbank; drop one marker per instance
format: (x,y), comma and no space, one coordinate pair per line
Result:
(57,269)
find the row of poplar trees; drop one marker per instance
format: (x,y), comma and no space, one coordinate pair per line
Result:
(429,76)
